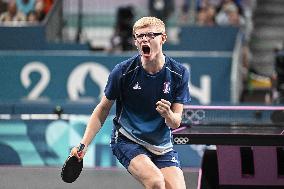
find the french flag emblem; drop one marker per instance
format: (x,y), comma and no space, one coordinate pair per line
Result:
(167,87)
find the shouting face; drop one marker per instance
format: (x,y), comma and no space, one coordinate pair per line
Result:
(149,42)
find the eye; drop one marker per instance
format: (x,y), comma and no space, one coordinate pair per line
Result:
(140,36)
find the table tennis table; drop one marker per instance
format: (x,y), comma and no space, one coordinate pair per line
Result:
(249,144)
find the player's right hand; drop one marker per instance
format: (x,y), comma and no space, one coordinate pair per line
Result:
(78,154)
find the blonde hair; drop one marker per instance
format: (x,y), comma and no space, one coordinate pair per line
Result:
(149,21)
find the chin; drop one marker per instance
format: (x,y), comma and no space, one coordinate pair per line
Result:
(147,57)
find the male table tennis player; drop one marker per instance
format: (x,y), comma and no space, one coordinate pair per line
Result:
(150,90)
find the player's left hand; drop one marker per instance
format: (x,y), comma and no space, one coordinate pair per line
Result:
(164,108)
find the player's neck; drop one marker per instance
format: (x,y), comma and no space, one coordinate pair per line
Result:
(155,65)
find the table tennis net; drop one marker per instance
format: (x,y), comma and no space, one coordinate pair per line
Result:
(232,116)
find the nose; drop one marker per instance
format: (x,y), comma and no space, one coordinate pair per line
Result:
(143,37)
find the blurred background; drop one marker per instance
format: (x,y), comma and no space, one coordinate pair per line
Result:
(55,57)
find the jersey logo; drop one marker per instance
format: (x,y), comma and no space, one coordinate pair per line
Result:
(167,87)
(174,160)
(137,86)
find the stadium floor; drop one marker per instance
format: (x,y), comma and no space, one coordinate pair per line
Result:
(49,178)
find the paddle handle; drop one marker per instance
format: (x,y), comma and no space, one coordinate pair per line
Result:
(80,149)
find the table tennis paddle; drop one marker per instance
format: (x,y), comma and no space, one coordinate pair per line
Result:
(72,167)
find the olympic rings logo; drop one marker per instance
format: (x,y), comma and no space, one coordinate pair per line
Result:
(181,140)
(193,116)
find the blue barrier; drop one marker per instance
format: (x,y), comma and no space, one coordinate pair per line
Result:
(50,140)
(205,38)
(32,38)
(18,38)
(70,76)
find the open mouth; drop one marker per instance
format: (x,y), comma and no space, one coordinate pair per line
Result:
(146,49)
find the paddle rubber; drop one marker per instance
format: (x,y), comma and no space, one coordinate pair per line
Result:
(71,169)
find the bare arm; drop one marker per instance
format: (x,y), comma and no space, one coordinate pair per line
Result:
(97,119)
(95,123)
(171,112)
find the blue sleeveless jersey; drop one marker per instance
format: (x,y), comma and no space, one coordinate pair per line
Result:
(136,93)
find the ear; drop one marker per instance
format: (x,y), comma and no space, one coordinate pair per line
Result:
(136,43)
(164,38)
